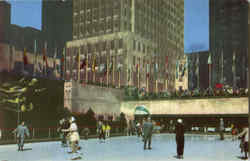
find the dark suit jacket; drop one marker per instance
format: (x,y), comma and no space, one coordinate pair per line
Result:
(179,130)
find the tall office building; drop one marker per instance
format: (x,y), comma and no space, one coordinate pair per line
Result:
(228,41)
(5,12)
(57,23)
(136,42)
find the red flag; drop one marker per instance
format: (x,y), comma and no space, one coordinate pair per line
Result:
(166,60)
(44,55)
(83,64)
(218,85)
(25,58)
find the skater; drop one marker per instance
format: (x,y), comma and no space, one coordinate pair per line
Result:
(108,128)
(244,134)
(221,129)
(21,131)
(0,134)
(86,132)
(139,129)
(179,130)
(147,130)
(101,131)
(73,138)
(62,134)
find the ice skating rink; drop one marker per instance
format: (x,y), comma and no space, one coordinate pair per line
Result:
(130,148)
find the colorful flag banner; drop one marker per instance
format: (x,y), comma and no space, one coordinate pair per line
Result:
(25,58)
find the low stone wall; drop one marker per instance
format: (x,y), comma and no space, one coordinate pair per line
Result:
(190,106)
(102,100)
(110,101)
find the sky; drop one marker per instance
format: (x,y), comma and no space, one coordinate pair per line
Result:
(196,20)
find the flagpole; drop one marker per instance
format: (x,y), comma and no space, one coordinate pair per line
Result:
(64,63)
(147,84)
(234,70)
(9,61)
(198,70)
(78,67)
(156,85)
(119,77)
(35,63)
(87,68)
(138,74)
(113,71)
(94,68)
(222,66)
(107,70)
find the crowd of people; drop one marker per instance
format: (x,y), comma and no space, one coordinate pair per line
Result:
(70,137)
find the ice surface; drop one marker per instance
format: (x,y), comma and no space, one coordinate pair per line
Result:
(129,148)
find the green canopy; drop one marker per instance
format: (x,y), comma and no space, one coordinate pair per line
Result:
(141,110)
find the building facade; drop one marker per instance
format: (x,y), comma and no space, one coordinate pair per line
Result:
(126,42)
(57,23)
(198,70)
(5,14)
(228,41)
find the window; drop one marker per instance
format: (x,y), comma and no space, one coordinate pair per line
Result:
(120,43)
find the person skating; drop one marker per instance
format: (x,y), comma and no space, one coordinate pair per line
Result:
(221,129)
(73,138)
(101,131)
(21,131)
(147,130)
(107,130)
(179,131)
(244,134)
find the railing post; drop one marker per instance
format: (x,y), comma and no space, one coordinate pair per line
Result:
(33,131)
(49,132)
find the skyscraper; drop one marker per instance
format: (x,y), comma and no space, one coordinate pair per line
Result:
(5,12)
(139,39)
(57,23)
(228,41)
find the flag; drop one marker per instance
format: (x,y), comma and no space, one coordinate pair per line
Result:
(197,66)
(233,64)
(25,58)
(40,68)
(83,64)
(177,69)
(101,68)
(93,64)
(119,67)
(156,70)
(209,61)
(184,69)
(63,64)
(166,61)
(148,69)
(54,61)
(129,73)
(44,54)
(110,65)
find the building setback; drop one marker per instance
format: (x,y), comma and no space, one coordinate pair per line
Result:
(228,41)
(5,15)
(57,23)
(126,42)
(198,73)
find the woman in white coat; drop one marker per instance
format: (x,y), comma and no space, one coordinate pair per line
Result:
(73,136)
(244,133)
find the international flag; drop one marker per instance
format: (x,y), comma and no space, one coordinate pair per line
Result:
(44,54)
(25,58)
